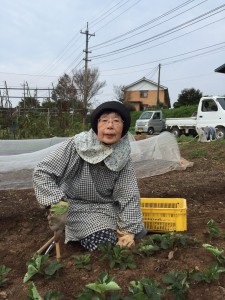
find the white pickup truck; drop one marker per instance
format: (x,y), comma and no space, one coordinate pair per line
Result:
(210,113)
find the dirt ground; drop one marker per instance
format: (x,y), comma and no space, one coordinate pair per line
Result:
(24,230)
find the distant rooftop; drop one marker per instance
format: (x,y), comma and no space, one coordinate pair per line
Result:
(220,69)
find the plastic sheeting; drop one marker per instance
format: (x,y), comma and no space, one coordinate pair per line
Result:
(10,147)
(152,156)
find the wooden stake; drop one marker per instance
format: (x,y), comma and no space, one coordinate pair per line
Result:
(45,245)
(57,250)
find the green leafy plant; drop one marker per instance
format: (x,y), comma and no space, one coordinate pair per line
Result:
(172,239)
(194,275)
(104,288)
(38,264)
(33,294)
(212,273)
(207,275)
(216,252)
(168,240)
(145,289)
(213,230)
(59,208)
(82,261)
(3,275)
(177,283)
(147,250)
(117,256)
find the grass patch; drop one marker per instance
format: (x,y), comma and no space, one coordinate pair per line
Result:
(201,153)
(186,139)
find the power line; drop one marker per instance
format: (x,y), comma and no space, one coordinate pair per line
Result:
(165,58)
(118,15)
(109,12)
(69,45)
(162,43)
(151,27)
(163,34)
(143,25)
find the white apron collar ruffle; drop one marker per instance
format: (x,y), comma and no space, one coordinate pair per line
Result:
(115,156)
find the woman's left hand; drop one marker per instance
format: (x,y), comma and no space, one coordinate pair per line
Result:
(125,239)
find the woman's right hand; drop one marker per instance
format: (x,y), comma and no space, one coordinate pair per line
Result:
(57,218)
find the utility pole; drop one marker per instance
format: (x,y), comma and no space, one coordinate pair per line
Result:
(86,75)
(35,97)
(28,90)
(7,102)
(24,95)
(157,100)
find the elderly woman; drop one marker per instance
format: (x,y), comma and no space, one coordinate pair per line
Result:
(93,173)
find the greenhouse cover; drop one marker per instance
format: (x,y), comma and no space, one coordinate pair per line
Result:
(151,156)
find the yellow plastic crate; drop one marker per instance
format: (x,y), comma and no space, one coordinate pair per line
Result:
(164,214)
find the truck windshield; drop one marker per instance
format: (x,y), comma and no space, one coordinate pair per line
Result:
(146,115)
(221,102)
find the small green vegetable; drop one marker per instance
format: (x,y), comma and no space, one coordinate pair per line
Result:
(3,273)
(39,264)
(213,230)
(104,288)
(216,251)
(59,208)
(50,295)
(82,261)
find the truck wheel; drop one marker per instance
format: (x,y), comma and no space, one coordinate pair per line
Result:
(220,133)
(175,131)
(193,132)
(151,131)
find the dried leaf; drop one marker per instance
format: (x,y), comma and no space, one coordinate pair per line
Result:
(171,255)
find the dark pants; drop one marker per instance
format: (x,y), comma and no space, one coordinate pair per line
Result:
(92,241)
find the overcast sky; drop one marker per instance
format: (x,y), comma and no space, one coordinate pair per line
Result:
(41,40)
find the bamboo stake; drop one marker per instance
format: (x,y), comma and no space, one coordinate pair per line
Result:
(45,245)
(57,250)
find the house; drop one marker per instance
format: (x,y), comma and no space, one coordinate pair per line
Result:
(145,93)
(220,69)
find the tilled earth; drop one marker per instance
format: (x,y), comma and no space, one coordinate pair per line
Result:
(24,230)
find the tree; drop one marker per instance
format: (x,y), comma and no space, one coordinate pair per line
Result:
(189,97)
(29,102)
(119,92)
(48,103)
(65,93)
(92,88)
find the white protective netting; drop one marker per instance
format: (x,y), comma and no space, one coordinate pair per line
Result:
(152,156)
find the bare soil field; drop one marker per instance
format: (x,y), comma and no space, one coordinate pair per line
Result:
(24,230)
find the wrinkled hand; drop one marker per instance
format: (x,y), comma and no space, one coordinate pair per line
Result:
(125,239)
(57,218)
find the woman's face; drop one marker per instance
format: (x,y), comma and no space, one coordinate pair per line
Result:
(110,128)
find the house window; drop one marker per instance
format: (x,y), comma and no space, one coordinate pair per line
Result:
(144,94)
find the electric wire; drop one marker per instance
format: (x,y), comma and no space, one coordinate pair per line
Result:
(165,58)
(143,25)
(152,26)
(76,59)
(61,55)
(118,16)
(109,12)
(163,34)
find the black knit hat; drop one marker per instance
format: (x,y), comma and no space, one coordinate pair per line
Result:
(111,106)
